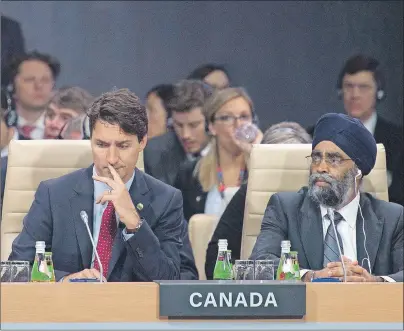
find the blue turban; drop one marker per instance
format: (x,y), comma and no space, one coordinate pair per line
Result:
(351,136)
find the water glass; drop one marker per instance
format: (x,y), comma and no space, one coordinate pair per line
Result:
(244,270)
(20,271)
(5,271)
(264,270)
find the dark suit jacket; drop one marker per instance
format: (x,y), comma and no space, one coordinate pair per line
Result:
(12,43)
(391,136)
(3,173)
(163,157)
(191,189)
(153,253)
(295,217)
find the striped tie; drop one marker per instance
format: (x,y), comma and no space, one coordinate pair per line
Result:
(331,252)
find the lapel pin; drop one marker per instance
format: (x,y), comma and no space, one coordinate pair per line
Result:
(139,206)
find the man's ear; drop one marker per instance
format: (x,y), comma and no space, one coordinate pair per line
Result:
(212,129)
(143,143)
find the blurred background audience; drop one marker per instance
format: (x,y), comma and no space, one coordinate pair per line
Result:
(212,74)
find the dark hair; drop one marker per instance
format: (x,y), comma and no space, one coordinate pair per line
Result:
(121,107)
(16,62)
(204,70)
(74,98)
(359,63)
(163,91)
(188,94)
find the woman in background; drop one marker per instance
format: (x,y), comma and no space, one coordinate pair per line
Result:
(230,225)
(209,184)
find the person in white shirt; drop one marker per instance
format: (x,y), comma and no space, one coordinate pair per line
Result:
(369,230)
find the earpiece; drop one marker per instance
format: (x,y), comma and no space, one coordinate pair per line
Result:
(380,95)
(359,173)
(11,118)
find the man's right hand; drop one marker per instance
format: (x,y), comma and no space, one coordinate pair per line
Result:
(86,273)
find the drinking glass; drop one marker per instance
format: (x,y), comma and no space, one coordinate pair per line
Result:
(264,270)
(20,271)
(244,270)
(5,271)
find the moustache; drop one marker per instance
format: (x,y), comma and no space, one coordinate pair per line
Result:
(323,177)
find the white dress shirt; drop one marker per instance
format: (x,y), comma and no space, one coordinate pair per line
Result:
(39,131)
(215,204)
(370,123)
(347,230)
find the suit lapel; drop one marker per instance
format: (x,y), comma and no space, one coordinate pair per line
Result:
(83,199)
(311,230)
(373,230)
(140,194)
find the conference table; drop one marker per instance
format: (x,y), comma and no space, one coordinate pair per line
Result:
(135,306)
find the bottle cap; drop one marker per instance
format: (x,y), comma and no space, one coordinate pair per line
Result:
(285,244)
(222,244)
(40,246)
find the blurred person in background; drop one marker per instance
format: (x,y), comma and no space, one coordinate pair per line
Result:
(67,103)
(230,225)
(76,128)
(157,113)
(212,74)
(8,130)
(209,184)
(188,138)
(361,85)
(32,79)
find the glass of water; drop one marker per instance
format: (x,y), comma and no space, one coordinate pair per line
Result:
(244,270)
(20,271)
(5,271)
(264,270)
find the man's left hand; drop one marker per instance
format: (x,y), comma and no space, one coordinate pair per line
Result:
(120,197)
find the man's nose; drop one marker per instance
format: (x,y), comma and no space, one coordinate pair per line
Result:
(112,156)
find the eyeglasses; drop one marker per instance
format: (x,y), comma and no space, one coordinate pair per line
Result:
(333,160)
(231,119)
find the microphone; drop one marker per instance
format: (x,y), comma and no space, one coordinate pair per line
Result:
(84,218)
(331,216)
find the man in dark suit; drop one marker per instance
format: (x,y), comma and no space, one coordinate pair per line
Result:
(369,231)
(188,138)
(361,86)
(12,44)
(137,222)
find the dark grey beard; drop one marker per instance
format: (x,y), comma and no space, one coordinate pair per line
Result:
(335,195)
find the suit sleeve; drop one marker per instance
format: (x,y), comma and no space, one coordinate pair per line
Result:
(156,252)
(273,231)
(37,226)
(230,227)
(188,268)
(397,250)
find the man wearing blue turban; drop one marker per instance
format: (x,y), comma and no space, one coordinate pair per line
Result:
(368,231)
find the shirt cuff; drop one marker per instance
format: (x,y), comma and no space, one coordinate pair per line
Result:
(303,272)
(126,235)
(388,279)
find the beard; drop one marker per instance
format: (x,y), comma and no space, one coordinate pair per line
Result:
(336,194)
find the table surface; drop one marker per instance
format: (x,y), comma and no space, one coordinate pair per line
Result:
(129,306)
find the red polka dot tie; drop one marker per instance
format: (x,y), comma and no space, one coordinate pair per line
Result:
(106,238)
(26,130)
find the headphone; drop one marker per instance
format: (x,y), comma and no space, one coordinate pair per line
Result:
(377,76)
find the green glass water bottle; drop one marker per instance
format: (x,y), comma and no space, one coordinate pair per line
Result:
(223,268)
(42,270)
(288,263)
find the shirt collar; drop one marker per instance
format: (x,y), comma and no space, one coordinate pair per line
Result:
(203,152)
(100,187)
(370,123)
(39,123)
(349,212)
